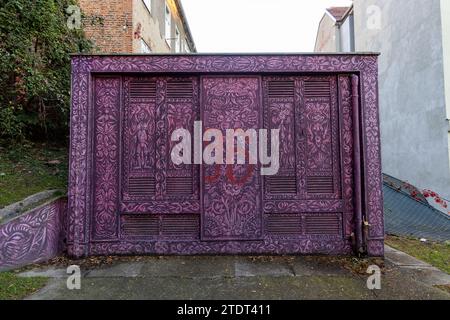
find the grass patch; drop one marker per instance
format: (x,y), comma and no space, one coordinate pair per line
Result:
(13,287)
(29,168)
(434,253)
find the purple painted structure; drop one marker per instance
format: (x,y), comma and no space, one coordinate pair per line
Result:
(127,197)
(35,236)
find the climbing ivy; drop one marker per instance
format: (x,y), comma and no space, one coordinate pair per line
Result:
(35,47)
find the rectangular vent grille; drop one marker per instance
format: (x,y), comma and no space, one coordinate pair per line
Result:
(319,185)
(143,89)
(140,225)
(179,185)
(281,185)
(184,226)
(284,225)
(141,186)
(322,225)
(187,226)
(317,89)
(281,89)
(179,89)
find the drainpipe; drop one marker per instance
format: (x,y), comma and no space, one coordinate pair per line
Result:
(359,249)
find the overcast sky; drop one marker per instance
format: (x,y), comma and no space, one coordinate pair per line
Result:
(256,25)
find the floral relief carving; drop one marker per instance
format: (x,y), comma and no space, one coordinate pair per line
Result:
(231,211)
(318,128)
(282,117)
(142,129)
(347,151)
(179,116)
(106,157)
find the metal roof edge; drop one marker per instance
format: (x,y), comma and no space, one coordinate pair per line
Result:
(235,54)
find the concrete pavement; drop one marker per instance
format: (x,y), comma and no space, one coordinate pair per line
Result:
(242,277)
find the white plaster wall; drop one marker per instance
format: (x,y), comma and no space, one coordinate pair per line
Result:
(414,129)
(445,18)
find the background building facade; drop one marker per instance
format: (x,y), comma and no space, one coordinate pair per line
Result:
(413,37)
(137,26)
(336,33)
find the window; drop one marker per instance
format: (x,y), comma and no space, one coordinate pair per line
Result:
(148,4)
(177,40)
(145,48)
(168,26)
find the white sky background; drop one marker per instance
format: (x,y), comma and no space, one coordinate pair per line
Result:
(256,25)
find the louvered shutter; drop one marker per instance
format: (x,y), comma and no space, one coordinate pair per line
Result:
(182,181)
(154,107)
(161,226)
(139,151)
(320,126)
(279,113)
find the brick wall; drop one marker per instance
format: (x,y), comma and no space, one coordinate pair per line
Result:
(114,34)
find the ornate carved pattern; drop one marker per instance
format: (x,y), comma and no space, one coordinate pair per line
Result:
(81,137)
(280,112)
(139,147)
(283,118)
(107,99)
(372,167)
(148,124)
(309,134)
(296,206)
(311,245)
(78,167)
(179,116)
(141,130)
(320,120)
(231,211)
(182,105)
(168,207)
(347,151)
(33,237)
(318,133)
(242,64)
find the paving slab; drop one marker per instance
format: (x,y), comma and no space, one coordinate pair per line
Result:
(121,270)
(190,266)
(273,266)
(309,266)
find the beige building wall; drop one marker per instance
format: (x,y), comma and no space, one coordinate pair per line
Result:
(326,36)
(146,25)
(150,25)
(177,21)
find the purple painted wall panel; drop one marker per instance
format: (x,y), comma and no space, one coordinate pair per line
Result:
(231,210)
(127,197)
(33,237)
